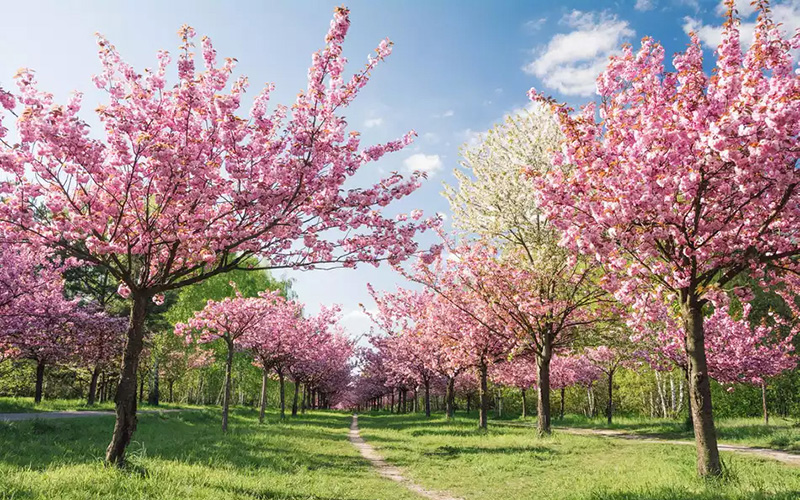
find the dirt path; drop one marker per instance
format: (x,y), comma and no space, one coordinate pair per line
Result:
(390,471)
(781,456)
(12,417)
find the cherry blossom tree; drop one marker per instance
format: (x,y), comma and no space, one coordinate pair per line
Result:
(520,307)
(608,360)
(229,319)
(520,372)
(686,182)
(737,351)
(182,188)
(100,339)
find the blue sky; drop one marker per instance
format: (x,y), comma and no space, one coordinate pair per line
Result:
(457,68)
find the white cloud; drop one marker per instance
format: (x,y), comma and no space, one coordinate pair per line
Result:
(424,163)
(373,122)
(644,5)
(787,13)
(535,24)
(446,114)
(571,62)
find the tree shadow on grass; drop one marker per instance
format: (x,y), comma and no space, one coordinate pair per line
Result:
(268,494)
(453,451)
(671,493)
(192,438)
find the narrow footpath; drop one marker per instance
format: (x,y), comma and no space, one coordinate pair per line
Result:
(390,471)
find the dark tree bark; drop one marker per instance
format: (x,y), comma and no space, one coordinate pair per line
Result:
(303,399)
(708,463)
(152,398)
(524,404)
(764,402)
(427,398)
(483,418)
(610,406)
(543,400)
(450,398)
(93,386)
(262,404)
(37,398)
(561,413)
(282,393)
(125,399)
(296,398)
(226,396)
(171,383)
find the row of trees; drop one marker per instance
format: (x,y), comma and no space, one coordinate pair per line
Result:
(651,219)
(176,187)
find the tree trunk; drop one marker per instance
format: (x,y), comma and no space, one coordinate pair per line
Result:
(483,418)
(296,398)
(610,406)
(563,399)
(93,386)
(427,398)
(303,399)
(226,395)
(450,398)
(37,398)
(391,402)
(708,463)
(125,399)
(764,402)
(152,398)
(524,404)
(469,401)
(282,393)
(262,404)
(543,402)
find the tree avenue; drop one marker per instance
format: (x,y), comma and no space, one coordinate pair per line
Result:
(182,188)
(686,182)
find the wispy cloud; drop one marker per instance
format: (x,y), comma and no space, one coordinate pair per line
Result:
(373,122)
(571,62)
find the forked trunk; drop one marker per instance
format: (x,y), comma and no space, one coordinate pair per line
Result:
(708,463)
(226,396)
(263,402)
(37,398)
(125,399)
(483,419)
(93,386)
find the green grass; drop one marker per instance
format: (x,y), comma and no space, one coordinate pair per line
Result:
(185,456)
(780,434)
(26,405)
(511,462)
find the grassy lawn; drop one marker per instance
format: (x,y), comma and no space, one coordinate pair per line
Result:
(510,462)
(26,405)
(185,456)
(780,434)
